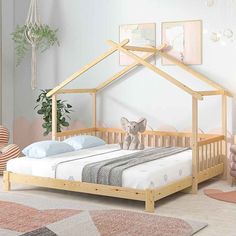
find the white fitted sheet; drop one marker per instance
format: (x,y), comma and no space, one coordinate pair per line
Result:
(152,174)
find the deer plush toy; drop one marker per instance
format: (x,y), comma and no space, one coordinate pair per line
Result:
(132,128)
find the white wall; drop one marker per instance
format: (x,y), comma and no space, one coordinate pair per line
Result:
(7,64)
(84,27)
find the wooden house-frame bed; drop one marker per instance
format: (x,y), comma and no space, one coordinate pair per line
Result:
(209,151)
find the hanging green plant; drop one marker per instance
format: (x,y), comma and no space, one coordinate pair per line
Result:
(45,109)
(46,37)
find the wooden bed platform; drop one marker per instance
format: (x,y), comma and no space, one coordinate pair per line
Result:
(209,164)
(209,151)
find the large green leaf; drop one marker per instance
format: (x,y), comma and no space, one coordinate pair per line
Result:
(40,112)
(66,124)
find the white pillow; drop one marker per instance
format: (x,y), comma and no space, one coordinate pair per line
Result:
(84,141)
(46,148)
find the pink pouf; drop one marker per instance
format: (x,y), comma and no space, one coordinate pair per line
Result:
(233,161)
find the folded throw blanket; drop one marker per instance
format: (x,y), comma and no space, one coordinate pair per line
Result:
(109,172)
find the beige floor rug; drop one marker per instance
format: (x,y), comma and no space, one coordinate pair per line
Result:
(220,195)
(21,219)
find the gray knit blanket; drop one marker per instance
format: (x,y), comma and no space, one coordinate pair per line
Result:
(109,172)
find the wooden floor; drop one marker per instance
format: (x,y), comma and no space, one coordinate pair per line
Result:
(219,215)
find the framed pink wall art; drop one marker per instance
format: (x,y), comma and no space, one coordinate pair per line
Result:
(185,41)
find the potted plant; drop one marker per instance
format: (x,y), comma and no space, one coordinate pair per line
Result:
(46,37)
(35,35)
(45,109)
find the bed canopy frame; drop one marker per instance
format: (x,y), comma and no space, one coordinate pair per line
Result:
(209,151)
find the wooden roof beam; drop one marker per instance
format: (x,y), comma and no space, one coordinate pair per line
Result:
(212,93)
(181,65)
(65,91)
(122,72)
(145,49)
(129,68)
(85,68)
(194,73)
(156,70)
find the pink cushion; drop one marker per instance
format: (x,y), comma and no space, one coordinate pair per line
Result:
(4,135)
(233,149)
(233,173)
(9,152)
(232,157)
(233,166)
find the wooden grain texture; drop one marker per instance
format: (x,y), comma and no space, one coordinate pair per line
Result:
(211,140)
(160,133)
(149,201)
(68,133)
(171,188)
(65,91)
(148,196)
(194,144)
(224,132)
(149,49)
(77,186)
(210,172)
(6,181)
(211,93)
(54,116)
(94,110)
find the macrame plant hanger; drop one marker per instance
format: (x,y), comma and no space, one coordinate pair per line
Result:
(32,24)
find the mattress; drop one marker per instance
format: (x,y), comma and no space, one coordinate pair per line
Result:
(69,166)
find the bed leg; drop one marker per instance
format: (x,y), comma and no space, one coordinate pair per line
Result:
(193,189)
(194,186)
(149,201)
(6,181)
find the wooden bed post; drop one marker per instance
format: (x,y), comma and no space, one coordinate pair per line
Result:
(194,144)
(6,181)
(149,201)
(224,132)
(94,110)
(54,116)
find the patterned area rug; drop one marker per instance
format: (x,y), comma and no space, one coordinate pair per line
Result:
(18,219)
(220,195)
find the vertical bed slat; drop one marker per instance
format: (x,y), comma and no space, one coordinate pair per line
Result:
(218,153)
